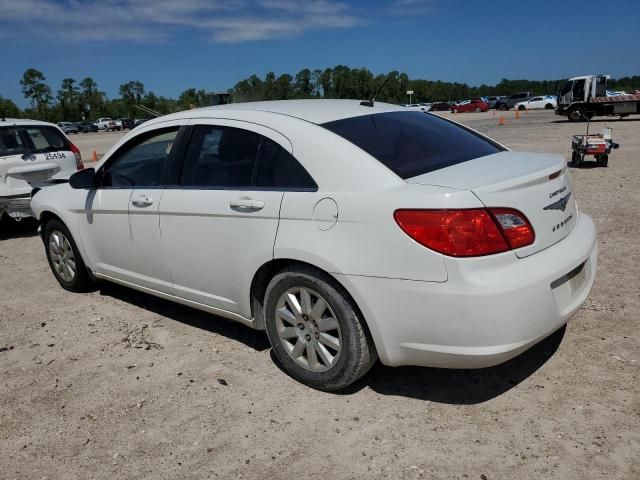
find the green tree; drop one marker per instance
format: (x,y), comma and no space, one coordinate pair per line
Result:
(36,90)
(303,87)
(8,109)
(193,98)
(68,98)
(91,99)
(132,91)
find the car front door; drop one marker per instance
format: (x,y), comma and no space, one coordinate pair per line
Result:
(120,228)
(219,223)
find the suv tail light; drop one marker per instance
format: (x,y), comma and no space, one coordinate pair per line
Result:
(467,232)
(76,152)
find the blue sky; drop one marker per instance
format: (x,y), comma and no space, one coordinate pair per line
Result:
(172,45)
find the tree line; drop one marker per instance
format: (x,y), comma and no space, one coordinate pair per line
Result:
(83,100)
(77,100)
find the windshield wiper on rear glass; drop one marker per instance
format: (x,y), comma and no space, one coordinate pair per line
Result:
(50,148)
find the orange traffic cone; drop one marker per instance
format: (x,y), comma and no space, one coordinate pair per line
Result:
(517,114)
(94,156)
(501,121)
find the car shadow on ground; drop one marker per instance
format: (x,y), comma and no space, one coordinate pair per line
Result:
(25,228)
(585,165)
(456,387)
(461,387)
(190,316)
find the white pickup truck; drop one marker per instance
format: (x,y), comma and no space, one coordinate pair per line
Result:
(31,153)
(107,124)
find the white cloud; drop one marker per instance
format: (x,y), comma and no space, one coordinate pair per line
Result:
(411,7)
(160,20)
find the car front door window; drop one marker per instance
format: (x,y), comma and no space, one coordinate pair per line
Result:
(141,164)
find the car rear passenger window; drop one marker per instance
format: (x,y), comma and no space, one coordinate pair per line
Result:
(220,157)
(279,169)
(142,162)
(412,143)
(36,139)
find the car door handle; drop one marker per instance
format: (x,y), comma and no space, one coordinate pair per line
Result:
(141,201)
(245,204)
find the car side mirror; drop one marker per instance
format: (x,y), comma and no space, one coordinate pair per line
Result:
(84,179)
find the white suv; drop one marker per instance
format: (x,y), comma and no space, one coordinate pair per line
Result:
(31,153)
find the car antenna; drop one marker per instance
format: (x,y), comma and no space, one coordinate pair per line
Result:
(369,103)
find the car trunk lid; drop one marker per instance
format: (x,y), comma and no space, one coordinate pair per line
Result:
(538,185)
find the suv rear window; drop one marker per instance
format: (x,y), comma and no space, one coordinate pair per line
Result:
(26,138)
(413,143)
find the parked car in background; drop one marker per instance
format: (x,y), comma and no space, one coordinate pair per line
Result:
(264,213)
(86,127)
(473,105)
(31,153)
(126,123)
(426,107)
(107,124)
(422,107)
(493,100)
(547,102)
(509,102)
(440,107)
(139,121)
(68,127)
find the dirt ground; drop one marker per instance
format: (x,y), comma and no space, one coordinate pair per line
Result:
(119,384)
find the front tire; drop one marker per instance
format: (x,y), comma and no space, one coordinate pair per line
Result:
(315,330)
(64,258)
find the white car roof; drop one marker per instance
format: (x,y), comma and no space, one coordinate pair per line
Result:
(16,122)
(314,111)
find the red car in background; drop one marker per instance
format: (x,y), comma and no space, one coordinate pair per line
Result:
(473,105)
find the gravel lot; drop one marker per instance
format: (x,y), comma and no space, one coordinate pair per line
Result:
(119,384)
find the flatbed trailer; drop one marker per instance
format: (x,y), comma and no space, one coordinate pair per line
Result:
(582,98)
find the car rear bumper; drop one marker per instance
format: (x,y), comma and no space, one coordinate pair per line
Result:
(488,311)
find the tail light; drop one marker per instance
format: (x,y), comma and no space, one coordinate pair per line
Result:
(76,152)
(467,232)
(515,227)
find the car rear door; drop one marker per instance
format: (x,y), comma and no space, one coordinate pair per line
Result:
(120,228)
(218,225)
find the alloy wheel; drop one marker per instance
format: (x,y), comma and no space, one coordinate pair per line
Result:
(308,329)
(62,256)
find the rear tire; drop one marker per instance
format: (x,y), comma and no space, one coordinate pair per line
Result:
(577,159)
(548,106)
(603,160)
(315,330)
(577,115)
(522,108)
(503,107)
(64,258)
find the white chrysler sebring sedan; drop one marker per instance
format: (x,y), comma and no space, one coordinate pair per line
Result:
(349,232)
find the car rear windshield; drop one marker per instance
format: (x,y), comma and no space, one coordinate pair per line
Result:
(413,143)
(28,138)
